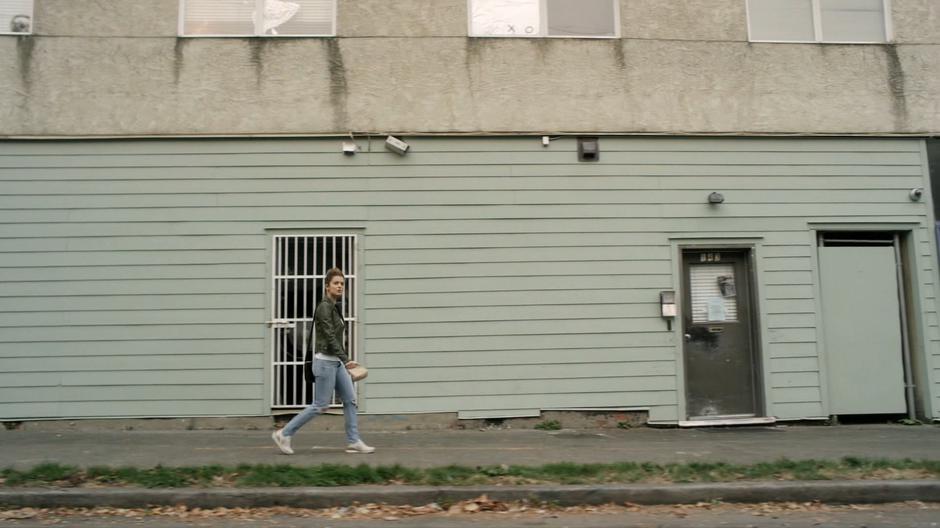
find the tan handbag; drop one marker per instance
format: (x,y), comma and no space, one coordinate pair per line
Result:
(358,373)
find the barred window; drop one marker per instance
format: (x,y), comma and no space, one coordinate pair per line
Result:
(300,266)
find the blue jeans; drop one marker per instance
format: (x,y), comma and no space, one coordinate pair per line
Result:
(330,376)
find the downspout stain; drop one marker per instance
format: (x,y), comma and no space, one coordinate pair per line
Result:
(338,86)
(474,48)
(178,59)
(473,53)
(616,47)
(542,48)
(473,59)
(896,80)
(256,48)
(24,52)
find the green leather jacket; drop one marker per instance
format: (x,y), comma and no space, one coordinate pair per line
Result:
(329,330)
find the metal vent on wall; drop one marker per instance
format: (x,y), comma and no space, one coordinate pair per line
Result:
(856,238)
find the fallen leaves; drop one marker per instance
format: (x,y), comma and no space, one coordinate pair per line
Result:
(482,505)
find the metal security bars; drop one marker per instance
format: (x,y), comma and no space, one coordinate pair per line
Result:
(300,265)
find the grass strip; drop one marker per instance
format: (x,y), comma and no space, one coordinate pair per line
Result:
(326,475)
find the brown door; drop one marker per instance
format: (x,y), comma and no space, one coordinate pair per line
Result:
(720,368)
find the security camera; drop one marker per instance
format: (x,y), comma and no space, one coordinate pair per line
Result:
(396,145)
(20,24)
(917,193)
(350,148)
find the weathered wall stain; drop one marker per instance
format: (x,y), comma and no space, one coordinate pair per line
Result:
(474,47)
(896,79)
(472,61)
(256,49)
(616,49)
(178,56)
(542,47)
(339,89)
(24,51)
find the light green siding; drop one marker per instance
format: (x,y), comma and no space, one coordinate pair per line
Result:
(496,274)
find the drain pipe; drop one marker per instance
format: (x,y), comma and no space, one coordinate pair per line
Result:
(905,338)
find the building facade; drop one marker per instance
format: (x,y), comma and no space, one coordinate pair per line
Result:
(670,206)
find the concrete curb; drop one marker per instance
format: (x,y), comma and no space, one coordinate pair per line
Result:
(872,491)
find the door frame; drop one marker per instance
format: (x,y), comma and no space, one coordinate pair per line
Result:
(360,335)
(910,237)
(751,244)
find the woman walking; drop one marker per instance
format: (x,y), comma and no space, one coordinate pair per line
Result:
(330,365)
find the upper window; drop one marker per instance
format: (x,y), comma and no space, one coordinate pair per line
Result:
(16,17)
(259,18)
(849,21)
(544,18)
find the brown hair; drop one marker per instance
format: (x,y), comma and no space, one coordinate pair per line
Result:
(333,272)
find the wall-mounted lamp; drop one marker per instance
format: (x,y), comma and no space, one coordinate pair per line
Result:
(350,148)
(396,145)
(716,198)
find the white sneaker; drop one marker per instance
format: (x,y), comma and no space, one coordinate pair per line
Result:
(283,442)
(359,447)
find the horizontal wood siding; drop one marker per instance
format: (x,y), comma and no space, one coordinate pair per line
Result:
(497,274)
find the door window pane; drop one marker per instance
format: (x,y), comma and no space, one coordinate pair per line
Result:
(16,16)
(713,293)
(581,18)
(853,20)
(786,20)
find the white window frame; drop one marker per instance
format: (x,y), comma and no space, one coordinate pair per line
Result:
(543,23)
(817,27)
(5,30)
(181,25)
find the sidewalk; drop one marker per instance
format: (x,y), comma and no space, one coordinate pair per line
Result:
(741,445)
(423,449)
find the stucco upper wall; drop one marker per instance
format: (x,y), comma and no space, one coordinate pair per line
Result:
(684,19)
(682,66)
(916,21)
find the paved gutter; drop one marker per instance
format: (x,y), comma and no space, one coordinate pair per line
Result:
(834,492)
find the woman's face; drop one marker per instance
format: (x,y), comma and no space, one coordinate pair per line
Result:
(335,288)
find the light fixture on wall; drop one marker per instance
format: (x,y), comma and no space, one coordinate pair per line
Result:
(396,145)
(350,148)
(716,198)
